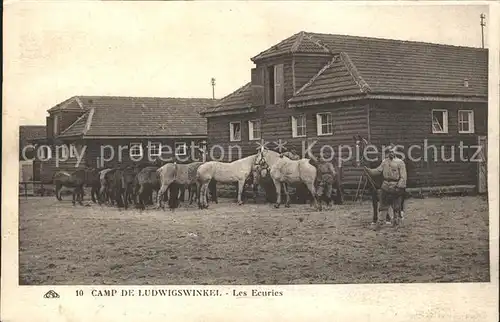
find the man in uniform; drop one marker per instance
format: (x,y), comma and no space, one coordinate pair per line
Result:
(393,170)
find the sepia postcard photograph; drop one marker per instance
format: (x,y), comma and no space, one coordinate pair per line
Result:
(305,160)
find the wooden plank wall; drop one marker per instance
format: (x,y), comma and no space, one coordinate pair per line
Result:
(348,119)
(409,123)
(94,151)
(218,134)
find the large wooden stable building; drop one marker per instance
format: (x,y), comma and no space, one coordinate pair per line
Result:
(328,88)
(145,128)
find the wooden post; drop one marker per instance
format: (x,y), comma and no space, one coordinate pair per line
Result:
(483,23)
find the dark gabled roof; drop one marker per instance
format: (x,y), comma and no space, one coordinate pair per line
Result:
(337,78)
(240,99)
(390,66)
(301,42)
(71,104)
(113,116)
(28,133)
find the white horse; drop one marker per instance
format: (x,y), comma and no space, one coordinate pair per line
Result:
(285,171)
(225,172)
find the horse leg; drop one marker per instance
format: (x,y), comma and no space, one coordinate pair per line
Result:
(277,184)
(287,195)
(199,190)
(74,195)
(140,197)
(125,197)
(160,193)
(241,186)
(192,193)
(375,201)
(93,193)
(80,195)
(101,194)
(58,191)
(212,186)
(312,190)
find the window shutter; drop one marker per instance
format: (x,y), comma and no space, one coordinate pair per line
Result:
(258,97)
(250,130)
(294,126)
(279,79)
(50,127)
(318,124)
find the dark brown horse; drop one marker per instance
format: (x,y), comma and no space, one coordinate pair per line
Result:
(122,186)
(75,180)
(105,191)
(375,182)
(147,181)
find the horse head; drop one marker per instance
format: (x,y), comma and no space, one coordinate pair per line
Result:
(260,167)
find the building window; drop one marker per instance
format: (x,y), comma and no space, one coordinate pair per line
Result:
(324,123)
(56,124)
(135,150)
(298,126)
(235,131)
(276,84)
(154,149)
(180,148)
(465,121)
(439,121)
(254,130)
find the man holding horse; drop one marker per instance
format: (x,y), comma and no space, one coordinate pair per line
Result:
(393,170)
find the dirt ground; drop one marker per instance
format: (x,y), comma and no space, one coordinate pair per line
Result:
(441,240)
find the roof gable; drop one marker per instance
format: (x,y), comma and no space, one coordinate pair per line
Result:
(337,78)
(301,42)
(71,104)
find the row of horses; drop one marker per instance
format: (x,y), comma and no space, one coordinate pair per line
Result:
(320,180)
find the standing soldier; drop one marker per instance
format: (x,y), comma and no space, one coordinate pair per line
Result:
(393,170)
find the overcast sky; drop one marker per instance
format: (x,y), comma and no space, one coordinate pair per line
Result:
(53,51)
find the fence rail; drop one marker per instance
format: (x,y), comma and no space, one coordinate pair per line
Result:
(25,191)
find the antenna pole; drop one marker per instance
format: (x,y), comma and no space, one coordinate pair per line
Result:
(213,88)
(483,23)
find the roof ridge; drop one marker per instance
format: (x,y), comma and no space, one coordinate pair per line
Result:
(74,123)
(321,71)
(351,68)
(318,42)
(396,40)
(297,42)
(139,97)
(275,46)
(89,120)
(77,99)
